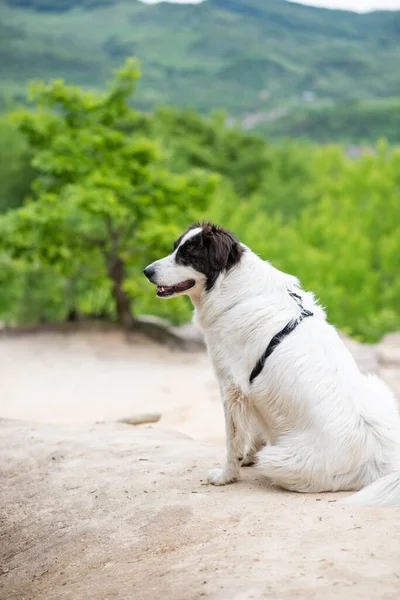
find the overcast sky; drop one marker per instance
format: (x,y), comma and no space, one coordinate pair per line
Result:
(357,5)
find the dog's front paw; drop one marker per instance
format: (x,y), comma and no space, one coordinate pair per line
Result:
(221,477)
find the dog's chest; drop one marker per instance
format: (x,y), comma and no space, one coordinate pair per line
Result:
(230,360)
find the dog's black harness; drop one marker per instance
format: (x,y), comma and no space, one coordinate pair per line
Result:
(279,337)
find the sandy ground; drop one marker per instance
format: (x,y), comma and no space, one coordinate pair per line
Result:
(102,376)
(88,377)
(91,509)
(113,512)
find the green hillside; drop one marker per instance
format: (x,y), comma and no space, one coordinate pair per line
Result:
(267,58)
(361,122)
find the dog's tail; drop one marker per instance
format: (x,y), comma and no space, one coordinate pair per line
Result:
(383,492)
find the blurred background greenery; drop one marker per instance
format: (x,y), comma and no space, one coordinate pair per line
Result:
(279,121)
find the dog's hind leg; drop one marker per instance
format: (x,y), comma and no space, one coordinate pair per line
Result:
(237,423)
(291,469)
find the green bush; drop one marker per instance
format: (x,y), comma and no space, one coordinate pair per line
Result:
(344,244)
(114,187)
(16,174)
(104,203)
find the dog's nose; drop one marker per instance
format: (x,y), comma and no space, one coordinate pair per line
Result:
(149,272)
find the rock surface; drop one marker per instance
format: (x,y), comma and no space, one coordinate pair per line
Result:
(89,376)
(113,511)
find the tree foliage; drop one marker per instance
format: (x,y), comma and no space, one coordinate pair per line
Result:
(114,187)
(104,202)
(16,173)
(207,143)
(344,242)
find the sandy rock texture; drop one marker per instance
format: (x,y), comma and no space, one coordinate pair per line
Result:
(92,509)
(94,376)
(113,511)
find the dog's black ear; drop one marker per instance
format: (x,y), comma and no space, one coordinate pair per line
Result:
(235,254)
(223,249)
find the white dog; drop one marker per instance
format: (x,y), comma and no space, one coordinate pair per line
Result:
(294,399)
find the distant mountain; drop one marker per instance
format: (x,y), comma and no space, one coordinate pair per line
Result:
(258,59)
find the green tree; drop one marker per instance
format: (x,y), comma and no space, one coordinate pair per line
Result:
(344,241)
(16,174)
(208,143)
(103,203)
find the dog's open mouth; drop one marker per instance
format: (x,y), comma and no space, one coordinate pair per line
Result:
(163,291)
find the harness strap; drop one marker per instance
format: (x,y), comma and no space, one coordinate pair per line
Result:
(279,337)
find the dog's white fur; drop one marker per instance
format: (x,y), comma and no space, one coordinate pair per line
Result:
(315,423)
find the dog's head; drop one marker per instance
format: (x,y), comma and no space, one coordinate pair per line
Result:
(199,256)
